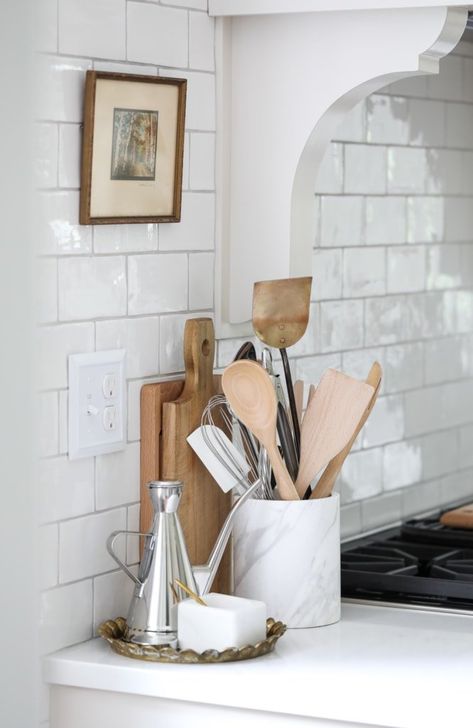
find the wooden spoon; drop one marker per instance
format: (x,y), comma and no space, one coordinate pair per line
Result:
(330,418)
(251,395)
(327,480)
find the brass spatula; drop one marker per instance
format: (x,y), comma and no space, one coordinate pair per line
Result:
(280,318)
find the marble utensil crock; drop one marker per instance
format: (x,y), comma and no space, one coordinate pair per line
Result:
(287,554)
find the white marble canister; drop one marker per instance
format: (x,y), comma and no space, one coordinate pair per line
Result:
(287,554)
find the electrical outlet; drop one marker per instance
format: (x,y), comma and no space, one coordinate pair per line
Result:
(97,403)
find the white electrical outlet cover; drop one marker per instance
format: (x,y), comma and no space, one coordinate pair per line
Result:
(97,403)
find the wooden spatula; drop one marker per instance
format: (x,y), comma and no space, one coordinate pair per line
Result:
(327,480)
(251,396)
(329,421)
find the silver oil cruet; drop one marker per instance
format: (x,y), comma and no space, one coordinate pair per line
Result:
(152,616)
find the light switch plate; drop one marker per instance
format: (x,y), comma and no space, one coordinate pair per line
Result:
(97,403)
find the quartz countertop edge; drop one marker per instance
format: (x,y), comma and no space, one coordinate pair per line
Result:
(379,666)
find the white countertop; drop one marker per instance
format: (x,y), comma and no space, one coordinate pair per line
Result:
(380,666)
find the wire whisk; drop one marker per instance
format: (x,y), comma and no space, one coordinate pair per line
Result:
(251,465)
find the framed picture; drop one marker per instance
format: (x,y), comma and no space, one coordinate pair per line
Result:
(132,149)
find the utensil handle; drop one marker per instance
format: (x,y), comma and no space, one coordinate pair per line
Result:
(287,489)
(287,443)
(110,544)
(292,402)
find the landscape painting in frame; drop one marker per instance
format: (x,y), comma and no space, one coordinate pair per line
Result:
(134,145)
(132,149)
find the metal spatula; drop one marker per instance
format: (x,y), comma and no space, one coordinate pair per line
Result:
(280,318)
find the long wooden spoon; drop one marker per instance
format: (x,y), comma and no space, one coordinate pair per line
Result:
(327,480)
(251,395)
(330,418)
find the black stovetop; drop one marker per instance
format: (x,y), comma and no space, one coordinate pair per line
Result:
(421,562)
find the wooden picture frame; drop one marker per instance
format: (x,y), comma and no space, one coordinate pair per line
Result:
(132,149)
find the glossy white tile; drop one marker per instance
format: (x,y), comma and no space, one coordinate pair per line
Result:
(200,104)
(157,34)
(327,273)
(157,283)
(70,139)
(201,41)
(386,422)
(94,28)
(361,476)
(65,616)
(406,269)
(140,338)
(425,219)
(201,281)
(66,488)
(46,290)
(407,170)
(126,238)
(117,478)
(365,169)
(62,88)
(92,287)
(196,230)
(404,367)
(341,325)
(385,220)
(387,119)
(46,26)
(352,126)
(364,272)
(427,123)
(341,221)
(402,464)
(58,230)
(329,177)
(82,549)
(171,341)
(55,343)
(46,155)
(202,162)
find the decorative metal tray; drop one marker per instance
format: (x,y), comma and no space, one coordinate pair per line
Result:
(114,629)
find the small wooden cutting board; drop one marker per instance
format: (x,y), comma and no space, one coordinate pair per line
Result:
(459,517)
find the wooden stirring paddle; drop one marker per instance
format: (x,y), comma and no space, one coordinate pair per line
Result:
(250,393)
(329,421)
(327,480)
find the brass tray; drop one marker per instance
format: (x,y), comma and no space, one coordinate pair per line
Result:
(114,629)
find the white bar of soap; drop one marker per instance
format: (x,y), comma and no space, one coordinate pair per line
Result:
(225,622)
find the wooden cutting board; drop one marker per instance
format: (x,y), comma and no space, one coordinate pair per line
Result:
(459,517)
(170,412)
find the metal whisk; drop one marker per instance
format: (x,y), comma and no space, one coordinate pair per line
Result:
(219,416)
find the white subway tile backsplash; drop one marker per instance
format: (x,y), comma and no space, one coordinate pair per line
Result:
(157,283)
(66,616)
(387,119)
(386,422)
(140,338)
(444,172)
(112,597)
(202,162)
(201,42)
(329,179)
(426,123)
(445,267)
(46,26)
(420,498)
(341,221)
(341,325)
(327,274)
(374,510)
(406,269)
(459,125)
(365,169)
(82,544)
(66,488)
(48,545)
(126,238)
(196,231)
(440,453)
(55,345)
(311,368)
(362,474)
(402,464)
(133,541)
(46,290)
(407,170)
(70,139)
(62,88)
(404,367)
(200,104)
(364,272)
(385,220)
(458,219)
(63,421)
(92,28)
(170,345)
(425,219)
(48,424)
(350,520)
(465,449)
(201,281)
(117,478)
(157,34)
(393,319)
(358,363)
(352,126)
(58,228)
(46,157)
(91,287)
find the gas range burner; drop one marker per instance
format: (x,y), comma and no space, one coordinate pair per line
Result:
(421,563)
